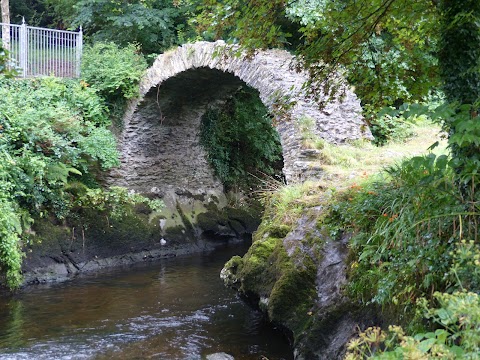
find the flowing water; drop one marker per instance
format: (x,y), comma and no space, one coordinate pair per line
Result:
(173,309)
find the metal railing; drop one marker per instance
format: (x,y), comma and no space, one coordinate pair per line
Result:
(38,51)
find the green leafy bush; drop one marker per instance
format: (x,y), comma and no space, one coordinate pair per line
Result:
(387,128)
(10,230)
(458,335)
(465,271)
(155,25)
(240,139)
(114,71)
(52,132)
(113,201)
(405,231)
(4,60)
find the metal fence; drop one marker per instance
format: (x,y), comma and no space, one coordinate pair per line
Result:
(38,51)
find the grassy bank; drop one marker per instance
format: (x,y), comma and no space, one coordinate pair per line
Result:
(412,240)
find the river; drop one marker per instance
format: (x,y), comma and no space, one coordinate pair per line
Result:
(173,309)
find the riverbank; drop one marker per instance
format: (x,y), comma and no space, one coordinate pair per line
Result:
(299,266)
(63,266)
(91,239)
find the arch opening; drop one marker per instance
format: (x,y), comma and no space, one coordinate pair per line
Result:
(163,151)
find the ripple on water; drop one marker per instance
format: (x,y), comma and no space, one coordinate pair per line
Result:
(172,310)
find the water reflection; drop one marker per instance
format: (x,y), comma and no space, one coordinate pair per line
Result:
(174,309)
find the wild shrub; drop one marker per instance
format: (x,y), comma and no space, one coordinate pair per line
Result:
(52,132)
(113,71)
(405,230)
(457,316)
(387,128)
(408,253)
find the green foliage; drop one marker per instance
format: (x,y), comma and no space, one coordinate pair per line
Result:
(386,128)
(459,56)
(4,60)
(33,11)
(233,20)
(113,71)
(155,25)
(462,124)
(405,230)
(60,11)
(240,139)
(116,201)
(460,69)
(383,50)
(100,138)
(465,271)
(52,132)
(10,230)
(458,337)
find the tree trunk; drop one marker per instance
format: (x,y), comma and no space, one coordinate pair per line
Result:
(5,28)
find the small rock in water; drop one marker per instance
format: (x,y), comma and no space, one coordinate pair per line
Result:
(220,356)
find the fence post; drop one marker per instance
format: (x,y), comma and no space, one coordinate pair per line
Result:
(79,51)
(23,48)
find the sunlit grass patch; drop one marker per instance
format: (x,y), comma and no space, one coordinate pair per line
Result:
(344,164)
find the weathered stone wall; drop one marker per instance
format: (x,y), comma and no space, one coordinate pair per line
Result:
(268,71)
(160,149)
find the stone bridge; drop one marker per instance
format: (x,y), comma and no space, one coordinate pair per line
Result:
(159,143)
(160,150)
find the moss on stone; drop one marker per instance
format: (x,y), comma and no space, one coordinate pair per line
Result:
(235,263)
(49,236)
(268,272)
(175,233)
(231,270)
(249,218)
(210,221)
(257,275)
(91,233)
(131,229)
(279,231)
(283,284)
(189,229)
(293,296)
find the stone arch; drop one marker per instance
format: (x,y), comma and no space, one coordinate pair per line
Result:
(271,74)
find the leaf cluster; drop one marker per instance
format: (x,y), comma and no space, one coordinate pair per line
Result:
(116,202)
(154,25)
(386,52)
(113,71)
(232,20)
(386,127)
(5,70)
(458,316)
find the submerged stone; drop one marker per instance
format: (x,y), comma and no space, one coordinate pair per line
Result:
(219,356)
